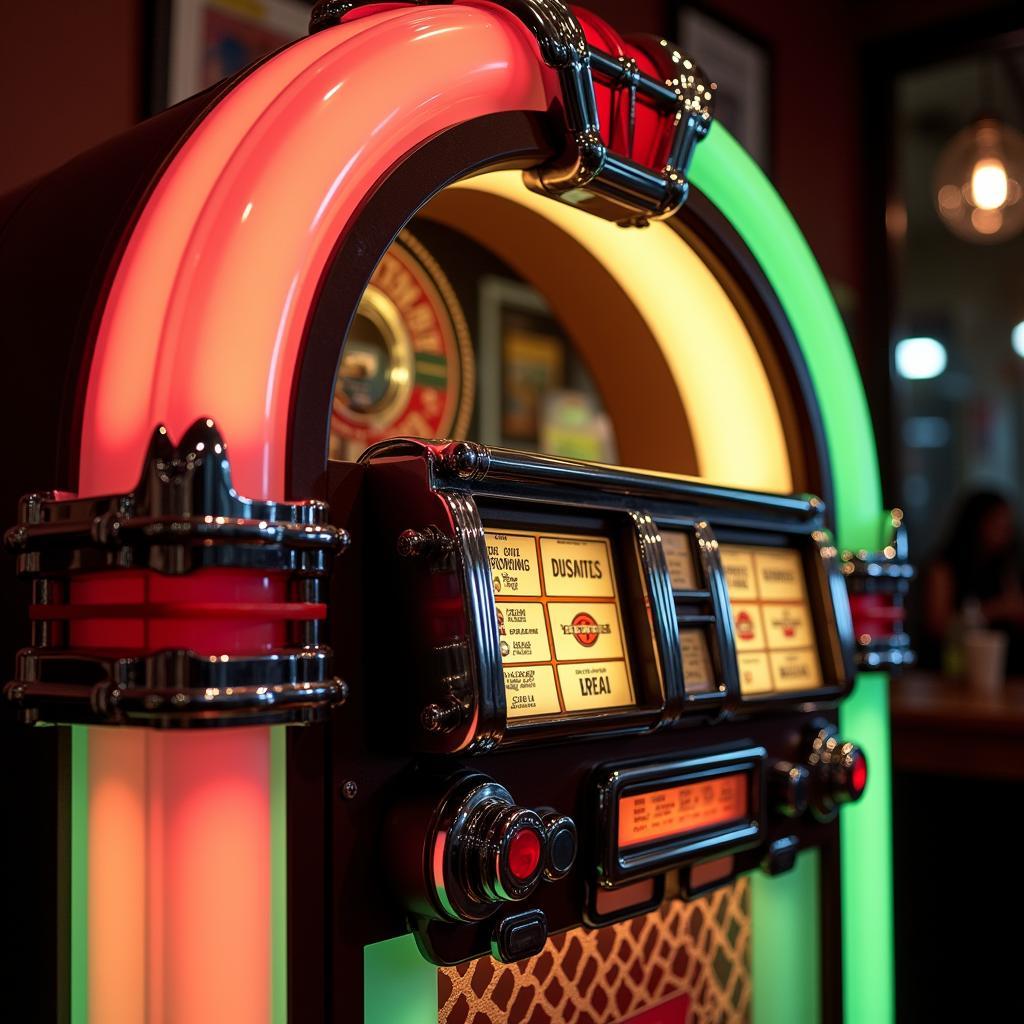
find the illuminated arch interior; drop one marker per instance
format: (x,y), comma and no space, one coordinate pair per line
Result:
(649,318)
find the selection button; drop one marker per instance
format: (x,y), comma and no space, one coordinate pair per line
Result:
(583,631)
(531,690)
(595,685)
(522,632)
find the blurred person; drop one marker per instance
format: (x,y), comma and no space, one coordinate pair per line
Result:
(975,579)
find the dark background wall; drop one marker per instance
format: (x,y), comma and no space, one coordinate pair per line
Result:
(69,78)
(72,75)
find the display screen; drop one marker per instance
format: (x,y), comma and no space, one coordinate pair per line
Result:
(776,647)
(680,811)
(560,629)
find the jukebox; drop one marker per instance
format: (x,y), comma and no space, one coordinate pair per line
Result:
(445,529)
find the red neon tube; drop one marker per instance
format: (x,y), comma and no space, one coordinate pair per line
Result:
(205,317)
(220,273)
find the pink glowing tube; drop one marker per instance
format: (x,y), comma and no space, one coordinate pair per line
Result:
(205,317)
(218,278)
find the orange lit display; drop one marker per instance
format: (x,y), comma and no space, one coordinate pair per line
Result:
(681,810)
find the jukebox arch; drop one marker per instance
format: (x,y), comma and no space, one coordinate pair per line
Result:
(226,273)
(237,273)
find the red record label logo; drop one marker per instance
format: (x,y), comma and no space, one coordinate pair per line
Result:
(585,629)
(744,626)
(407,365)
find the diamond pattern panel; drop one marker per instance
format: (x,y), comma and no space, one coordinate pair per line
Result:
(604,976)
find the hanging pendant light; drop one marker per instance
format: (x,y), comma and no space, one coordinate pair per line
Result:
(978,182)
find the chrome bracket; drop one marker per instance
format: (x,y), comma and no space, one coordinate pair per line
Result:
(586,173)
(878,582)
(183,516)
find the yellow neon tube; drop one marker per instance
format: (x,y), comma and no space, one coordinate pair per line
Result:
(737,429)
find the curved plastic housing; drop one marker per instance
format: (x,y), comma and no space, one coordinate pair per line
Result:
(221,270)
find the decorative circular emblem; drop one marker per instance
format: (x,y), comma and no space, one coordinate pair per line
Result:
(407,365)
(585,629)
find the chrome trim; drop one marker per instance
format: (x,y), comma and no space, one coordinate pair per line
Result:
(887,572)
(844,657)
(467,460)
(183,514)
(505,465)
(711,565)
(586,173)
(482,622)
(174,688)
(613,185)
(663,613)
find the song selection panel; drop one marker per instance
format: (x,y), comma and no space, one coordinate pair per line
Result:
(776,648)
(559,623)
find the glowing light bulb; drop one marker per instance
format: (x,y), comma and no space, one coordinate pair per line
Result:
(978,182)
(989,184)
(920,358)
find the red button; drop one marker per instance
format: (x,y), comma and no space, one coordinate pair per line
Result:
(859,774)
(524,854)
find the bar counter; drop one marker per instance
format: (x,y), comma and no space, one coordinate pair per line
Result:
(940,727)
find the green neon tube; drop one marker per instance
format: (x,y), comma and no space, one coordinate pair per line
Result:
(399,986)
(731,180)
(782,946)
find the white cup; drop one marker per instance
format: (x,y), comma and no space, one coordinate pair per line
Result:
(985,660)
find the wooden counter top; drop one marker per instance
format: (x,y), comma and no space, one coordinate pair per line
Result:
(941,727)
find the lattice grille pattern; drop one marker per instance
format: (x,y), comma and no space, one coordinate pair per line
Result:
(605,976)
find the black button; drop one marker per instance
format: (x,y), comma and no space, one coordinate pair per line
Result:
(562,850)
(781,855)
(561,844)
(519,936)
(789,788)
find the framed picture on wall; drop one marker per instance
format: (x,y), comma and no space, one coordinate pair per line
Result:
(534,392)
(522,356)
(199,42)
(741,65)
(533,364)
